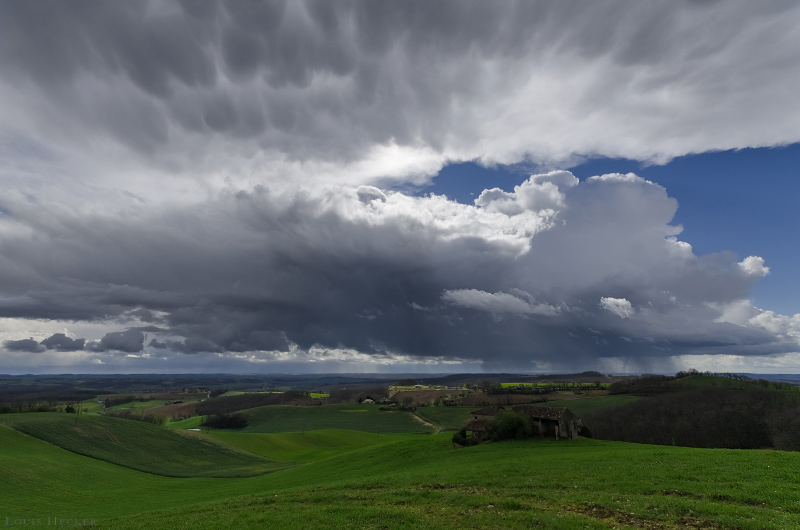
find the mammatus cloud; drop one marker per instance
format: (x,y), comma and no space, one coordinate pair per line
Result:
(593,269)
(164,100)
(220,179)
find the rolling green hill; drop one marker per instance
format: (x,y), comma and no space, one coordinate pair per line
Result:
(140,446)
(310,446)
(416,482)
(289,418)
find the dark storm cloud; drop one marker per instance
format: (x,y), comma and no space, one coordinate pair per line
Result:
(126,129)
(330,81)
(60,342)
(130,341)
(602,276)
(23,345)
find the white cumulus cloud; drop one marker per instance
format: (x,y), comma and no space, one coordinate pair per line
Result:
(619,306)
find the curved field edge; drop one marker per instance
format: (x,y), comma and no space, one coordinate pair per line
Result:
(38,479)
(140,446)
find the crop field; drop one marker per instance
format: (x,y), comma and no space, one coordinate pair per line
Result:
(137,445)
(289,418)
(420,481)
(310,446)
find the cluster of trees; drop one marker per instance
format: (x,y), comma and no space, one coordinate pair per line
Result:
(234,420)
(650,384)
(705,417)
(30,406)
(357,394)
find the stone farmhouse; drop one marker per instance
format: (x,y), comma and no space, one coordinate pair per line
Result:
(556,422)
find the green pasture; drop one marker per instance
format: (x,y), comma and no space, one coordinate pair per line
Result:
(587,405)
(189,423)
(311,446)
(40,480)
(375,481)
(425,483)
(91,406)
(318,395)
(291,418)
(138,445)
(149,404)
(446,418)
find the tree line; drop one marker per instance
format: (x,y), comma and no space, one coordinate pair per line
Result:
(748,418)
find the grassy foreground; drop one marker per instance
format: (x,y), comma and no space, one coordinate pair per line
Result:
(424,483)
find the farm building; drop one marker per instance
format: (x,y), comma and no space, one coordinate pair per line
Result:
(557,422)
(478,426)
(486,414)
(477,430)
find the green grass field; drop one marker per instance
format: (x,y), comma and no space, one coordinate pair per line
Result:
(421,482)
(141,446)
(311,446)
(446,418)
(139,404)
(189,423)
(289,418)
(586,405)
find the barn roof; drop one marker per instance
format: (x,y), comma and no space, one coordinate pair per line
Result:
(476,425)
(488,411)
(544,413)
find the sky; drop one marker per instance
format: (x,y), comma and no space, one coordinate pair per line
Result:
(357,186)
